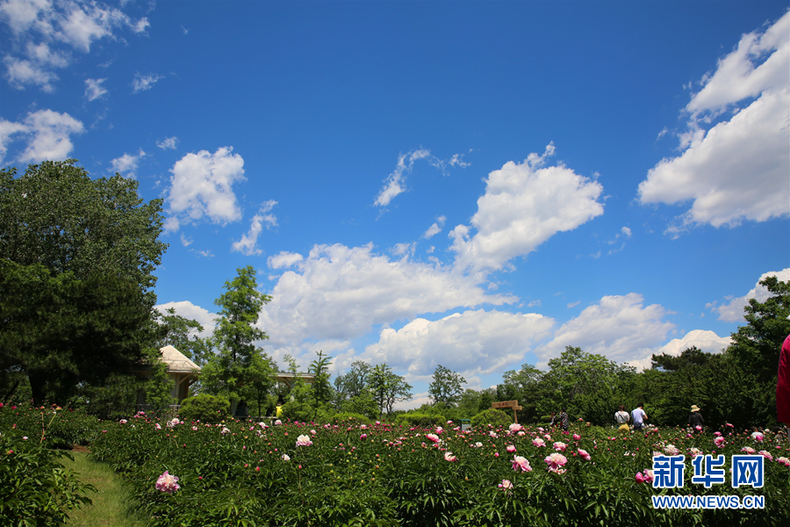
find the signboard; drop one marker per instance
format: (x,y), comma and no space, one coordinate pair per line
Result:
(508,404)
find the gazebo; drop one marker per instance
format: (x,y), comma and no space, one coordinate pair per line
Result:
(182,371)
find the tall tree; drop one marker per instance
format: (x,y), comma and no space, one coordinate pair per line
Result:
(182,334)
(76,282)
(447,386)
(322,390)
(238,360)
(388,388)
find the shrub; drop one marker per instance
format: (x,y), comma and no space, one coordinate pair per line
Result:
(491,417)
(296,411)
(204,407)
(423,420)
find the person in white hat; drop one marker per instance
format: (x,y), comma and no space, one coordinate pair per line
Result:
(695,418)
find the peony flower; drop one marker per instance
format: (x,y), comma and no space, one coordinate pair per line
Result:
(757,436)
(718,441)
(439,429)
(363,437)
(225,430)
(671,450)
(717,433)
(278,422)
(521,463)
(492,434)
(559,446)
(784,461)
(448,456)
(167,483)
(584,454)
(538,442)
(158,426)
(515,427)
(555,461)
(173,422)
(432,437)
(123,421)
(478,445)
(749,450)
(646,476)
(510,448)
(304,440)
(506,485)
(576,437)
(767,455)
(285,457)
(694,452)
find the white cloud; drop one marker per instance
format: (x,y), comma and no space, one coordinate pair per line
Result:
(144,82)
(626,232)
(733,310)
(248,243)
(436,228)
(7,130)
(189,310)
(395,182)
(168,144)
(185,240)
(284,260)
(45,32)
(524,205)
(618,327)
(201,185)
(48,134)
(472,342)
(737,170)
(340,292)
(94,89)
(127,164)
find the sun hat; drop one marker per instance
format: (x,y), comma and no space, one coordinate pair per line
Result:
(694,408)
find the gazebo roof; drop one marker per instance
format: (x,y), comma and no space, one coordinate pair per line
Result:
(176,361)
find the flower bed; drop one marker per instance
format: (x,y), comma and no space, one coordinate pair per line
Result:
(346,473)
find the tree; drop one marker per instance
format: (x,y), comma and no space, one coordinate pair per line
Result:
(447,387)
(388,388)
(756,345)
(237,361)
(354,382)
(322,390)
(76,282)
(181,333)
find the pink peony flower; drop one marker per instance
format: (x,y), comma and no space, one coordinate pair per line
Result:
(278,422)
(521,463)
(694,452)
(510,448)
(304,440)
(493,434)
(749,450)
(576,437)
(158,426)
(555,462)
(538,442)
(506,485)
(757,436)
(671,450)
(123,421)
(448,456)
(167,483)
(559,446)
(432,437)
(717,433)
(515,427)
(718,441)
(363,437)
(285,457)
(767,455)
(784,461)
(584,454)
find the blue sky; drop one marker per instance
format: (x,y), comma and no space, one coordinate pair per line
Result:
(472,184)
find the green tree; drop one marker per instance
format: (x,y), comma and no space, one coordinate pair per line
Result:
(756,345)
(322,390)
(86,250)
(446,388)
(237,361)
(388,388)
(354,382)
(181,333)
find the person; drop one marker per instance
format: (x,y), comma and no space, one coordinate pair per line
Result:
(639,416)
(553,421)
(621,417)
(564,422)
(695,417)
(783,386)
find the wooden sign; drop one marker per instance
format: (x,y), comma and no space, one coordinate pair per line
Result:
(508,404)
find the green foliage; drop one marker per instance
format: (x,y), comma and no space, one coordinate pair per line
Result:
(181,333)
(158,385)
(421,420)
(204,408)
(388,388)
(76,276)
(446,387)
(362,404)
(298,411)
(320,388)
(491,417)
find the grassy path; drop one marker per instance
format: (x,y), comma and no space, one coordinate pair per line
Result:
(111,502)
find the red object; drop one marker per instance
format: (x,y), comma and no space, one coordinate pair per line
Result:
(783,384)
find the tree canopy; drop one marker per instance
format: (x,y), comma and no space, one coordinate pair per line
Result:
(76,284)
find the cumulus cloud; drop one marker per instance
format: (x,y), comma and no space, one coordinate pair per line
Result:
(249,242)
(471,342)
(94,89)
(619,327)
(46,32)
(169,143)
(395,183)
(144,82)
(340,292)
(737,169)
(732,311)
(127,164)
(46,132)
(201,185)
(189,310)
(524,205)
(436,228)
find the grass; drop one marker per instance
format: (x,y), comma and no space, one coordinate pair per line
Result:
(110,504)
